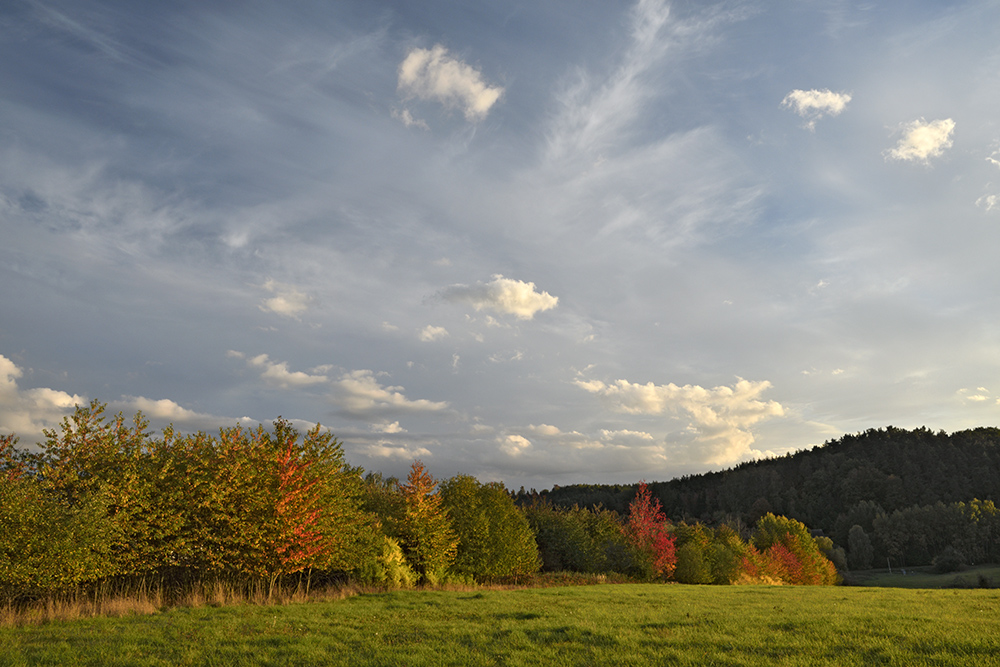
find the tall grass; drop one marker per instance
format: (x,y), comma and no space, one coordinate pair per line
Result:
(143,598)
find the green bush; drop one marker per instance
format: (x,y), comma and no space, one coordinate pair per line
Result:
(949,560)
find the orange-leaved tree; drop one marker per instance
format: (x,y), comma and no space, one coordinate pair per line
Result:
(787,552)
(428,539)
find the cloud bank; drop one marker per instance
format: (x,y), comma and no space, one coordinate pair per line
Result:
(27,411)
(721,417)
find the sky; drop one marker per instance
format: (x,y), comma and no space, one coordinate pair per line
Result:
(541,242)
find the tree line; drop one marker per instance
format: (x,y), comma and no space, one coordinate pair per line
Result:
(908,496)
(104,502)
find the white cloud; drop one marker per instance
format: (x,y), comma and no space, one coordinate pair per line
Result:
(162,408)
(386,427)
(432,333)
(922,140)
(814,104)
(514,445)
(720,417)
(27,411)
(385,449)
(431,74)
(360,394)
(279,374)
(166,411)
(625,433)
(503,295)
(544,429)
(287,299)
(408,120)
(988,202)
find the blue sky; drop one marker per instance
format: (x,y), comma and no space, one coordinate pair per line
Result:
(537,242)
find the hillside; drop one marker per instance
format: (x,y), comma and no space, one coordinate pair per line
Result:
(829,486)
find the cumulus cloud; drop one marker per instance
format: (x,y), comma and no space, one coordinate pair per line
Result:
(278,373)
(27,411)
(163,411)
(386,427)
(503,295)
(361,395)
(385,449)
(814,104)
(922,141)
(287,300)
(432,74)
(432,333)
(720,418)
(544,429)
(514,445)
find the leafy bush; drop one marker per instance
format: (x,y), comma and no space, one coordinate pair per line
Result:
(949,560)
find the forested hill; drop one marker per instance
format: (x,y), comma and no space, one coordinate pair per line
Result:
(831,487)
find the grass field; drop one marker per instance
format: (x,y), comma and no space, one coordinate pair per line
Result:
(924,577)
(626,624)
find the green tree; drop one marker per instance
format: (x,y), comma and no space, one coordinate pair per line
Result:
(860,551)
(495,540)
(692,567)
(48,546)
(428,538)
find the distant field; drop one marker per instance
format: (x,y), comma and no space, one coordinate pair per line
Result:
(923,577)
(625,624)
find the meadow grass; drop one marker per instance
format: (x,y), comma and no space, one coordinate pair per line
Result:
(622,624)
(978,576)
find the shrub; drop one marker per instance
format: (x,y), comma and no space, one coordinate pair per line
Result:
(949,560)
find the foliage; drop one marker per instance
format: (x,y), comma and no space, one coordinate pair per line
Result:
(788,552)
(949,560)
(251,504)
(583,540)
(860,552)
(427,537)
(650,532)
(495,540)
(46,545)
(929,478)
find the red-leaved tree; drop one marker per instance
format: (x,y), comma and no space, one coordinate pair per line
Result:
(651,533)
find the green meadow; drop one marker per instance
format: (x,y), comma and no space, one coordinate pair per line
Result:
(980,576)
(621,624)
